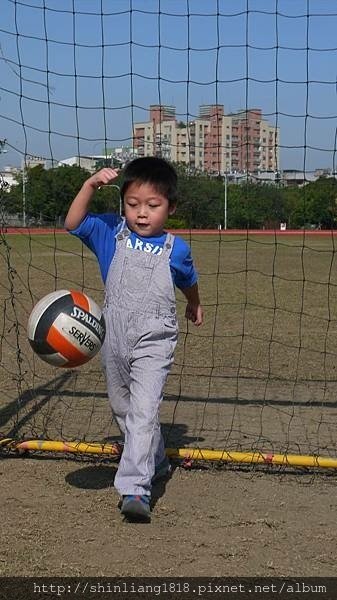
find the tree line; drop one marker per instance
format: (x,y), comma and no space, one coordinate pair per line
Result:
(47,193)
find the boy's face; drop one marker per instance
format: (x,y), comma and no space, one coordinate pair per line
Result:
(146,210)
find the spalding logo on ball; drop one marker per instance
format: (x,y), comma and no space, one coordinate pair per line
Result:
(66,328)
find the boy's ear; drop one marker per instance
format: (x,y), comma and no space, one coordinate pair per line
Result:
(172,209)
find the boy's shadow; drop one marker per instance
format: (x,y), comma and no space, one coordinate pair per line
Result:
(93,477)
(101,476)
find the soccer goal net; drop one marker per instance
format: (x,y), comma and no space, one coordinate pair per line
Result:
(241,97)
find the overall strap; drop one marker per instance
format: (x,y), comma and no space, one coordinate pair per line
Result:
(168,244)
(123,230)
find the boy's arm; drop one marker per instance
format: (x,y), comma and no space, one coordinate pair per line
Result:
(80,205)
(194,310)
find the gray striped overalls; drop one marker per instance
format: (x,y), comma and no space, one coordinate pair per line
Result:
(142,331)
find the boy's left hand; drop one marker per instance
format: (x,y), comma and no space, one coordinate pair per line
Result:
(194,313)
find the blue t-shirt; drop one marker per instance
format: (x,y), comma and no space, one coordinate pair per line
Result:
(98,232)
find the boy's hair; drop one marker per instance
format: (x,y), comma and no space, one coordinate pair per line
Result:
(156,171)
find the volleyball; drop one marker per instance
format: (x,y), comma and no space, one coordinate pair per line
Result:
(66,328)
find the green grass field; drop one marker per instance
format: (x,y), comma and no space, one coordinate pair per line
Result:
(260,374)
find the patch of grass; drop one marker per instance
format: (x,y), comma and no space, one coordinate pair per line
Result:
(260,372)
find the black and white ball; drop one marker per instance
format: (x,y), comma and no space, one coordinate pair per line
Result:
(66,328)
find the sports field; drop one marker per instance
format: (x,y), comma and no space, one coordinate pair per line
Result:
(259,375)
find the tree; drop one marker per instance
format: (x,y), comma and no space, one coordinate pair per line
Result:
(321,197)
(201,199)
(293,206)
(47,195)
(255,206)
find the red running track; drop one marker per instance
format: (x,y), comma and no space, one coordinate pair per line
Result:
(278,232)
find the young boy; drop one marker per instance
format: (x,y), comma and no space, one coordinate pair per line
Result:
(140,263)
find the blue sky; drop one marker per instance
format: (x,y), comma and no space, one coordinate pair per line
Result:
(74,73)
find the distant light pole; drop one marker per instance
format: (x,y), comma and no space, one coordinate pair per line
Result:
(120,197)
(28,161)
(120,201)
(3,184)
(225,214)
(23,194)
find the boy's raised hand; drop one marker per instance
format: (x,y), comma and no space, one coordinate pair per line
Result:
(103,177)
(80,205)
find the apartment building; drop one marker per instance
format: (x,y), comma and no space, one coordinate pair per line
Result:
(157,137)
(254,142)
(213,142)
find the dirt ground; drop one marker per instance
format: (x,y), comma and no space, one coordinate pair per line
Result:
(60,518)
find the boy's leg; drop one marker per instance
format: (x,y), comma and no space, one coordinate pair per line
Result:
(144,445)
(117,377)
(159,445)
